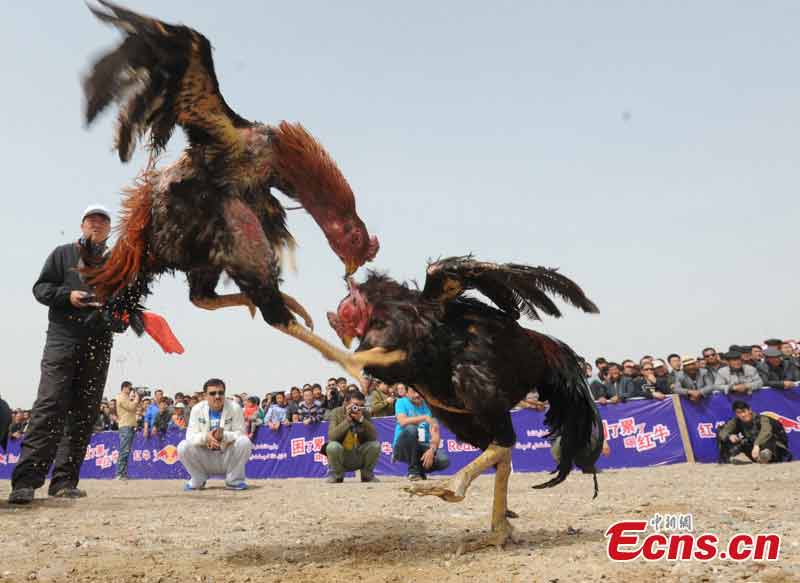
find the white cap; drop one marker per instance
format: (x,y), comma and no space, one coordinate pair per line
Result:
(96,209)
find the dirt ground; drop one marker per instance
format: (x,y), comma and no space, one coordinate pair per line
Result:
(304,530)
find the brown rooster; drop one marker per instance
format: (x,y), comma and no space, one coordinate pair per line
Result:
(473,362)
(211,211)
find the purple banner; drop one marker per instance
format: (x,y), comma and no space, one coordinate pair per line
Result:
(703,418)
(639,433)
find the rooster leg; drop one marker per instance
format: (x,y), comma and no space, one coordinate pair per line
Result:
(296,308)
(454,489)
(379,357)
(226,301)
(345,359)
(502,530)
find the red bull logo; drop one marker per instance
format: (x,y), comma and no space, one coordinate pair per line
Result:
(788,423)
(168,455)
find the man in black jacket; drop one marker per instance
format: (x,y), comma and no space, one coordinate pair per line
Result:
(73,370)
(777,372)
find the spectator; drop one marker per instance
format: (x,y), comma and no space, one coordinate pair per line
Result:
(128,402)
(163,419)
(151,414)
(693,382)
(778,372)
(417,438)
(381,401)
(18,425)
(333,398)
(656,380)
(316,390)
(141,411)
(601,364)
(253,416)
(352,441)
(238,400)
(646,359)
(756,355)
(293,405)
(701,362)
(400,391)
(712,362)
(674,361)
(103,421)
(310,411)
(788,353)
(341,385)
(112,411)
(179,420)
(266,403)
(746,352)
(276,416)
(617,387)
(215,441)
(759,437)
(737,377)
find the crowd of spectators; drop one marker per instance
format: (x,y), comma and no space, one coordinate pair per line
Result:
(742,369)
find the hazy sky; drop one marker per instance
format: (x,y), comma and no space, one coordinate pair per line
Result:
(651,150)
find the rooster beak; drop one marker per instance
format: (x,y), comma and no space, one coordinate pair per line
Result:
(350,267)
(347,341)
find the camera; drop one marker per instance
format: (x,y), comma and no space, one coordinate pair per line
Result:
(142,391)
(354,408)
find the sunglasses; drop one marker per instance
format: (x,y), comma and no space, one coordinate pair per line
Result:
(216,393)
(647,369)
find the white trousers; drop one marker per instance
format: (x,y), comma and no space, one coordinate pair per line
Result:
(202,462)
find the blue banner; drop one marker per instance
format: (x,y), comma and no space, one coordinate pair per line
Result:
(640,433)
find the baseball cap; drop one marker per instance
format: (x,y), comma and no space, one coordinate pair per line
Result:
(96,209)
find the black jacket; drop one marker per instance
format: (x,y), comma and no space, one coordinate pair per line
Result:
(774,377)
(58,278)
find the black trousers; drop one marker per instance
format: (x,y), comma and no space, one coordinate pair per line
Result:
(74,371)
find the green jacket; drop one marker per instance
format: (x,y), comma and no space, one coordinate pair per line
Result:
(758,432)
(380,405)
(340,423)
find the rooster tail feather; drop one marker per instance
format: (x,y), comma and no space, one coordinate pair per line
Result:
(573,417)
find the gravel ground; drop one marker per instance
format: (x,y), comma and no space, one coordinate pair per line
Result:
(304,530)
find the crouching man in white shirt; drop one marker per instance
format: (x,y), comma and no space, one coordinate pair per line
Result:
(216,442)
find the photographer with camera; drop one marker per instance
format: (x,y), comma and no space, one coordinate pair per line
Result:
(216,442)
(127,403)
(74,367)
(759,437)
(352,441)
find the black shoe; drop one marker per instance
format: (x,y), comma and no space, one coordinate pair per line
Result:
(370,478)
(334,480)
(415,477)
(69,492)
(21,496)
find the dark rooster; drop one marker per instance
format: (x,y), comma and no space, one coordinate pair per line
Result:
(473,362)
(212,210)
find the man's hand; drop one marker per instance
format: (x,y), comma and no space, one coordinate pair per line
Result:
(212,442)
(154,432)
(602,400)
(755,452)
(788,384)
(307,421)
(733,438)
(427,458)
(76,298)
(614,399)
(694,395)
(740,388)
(659,395)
